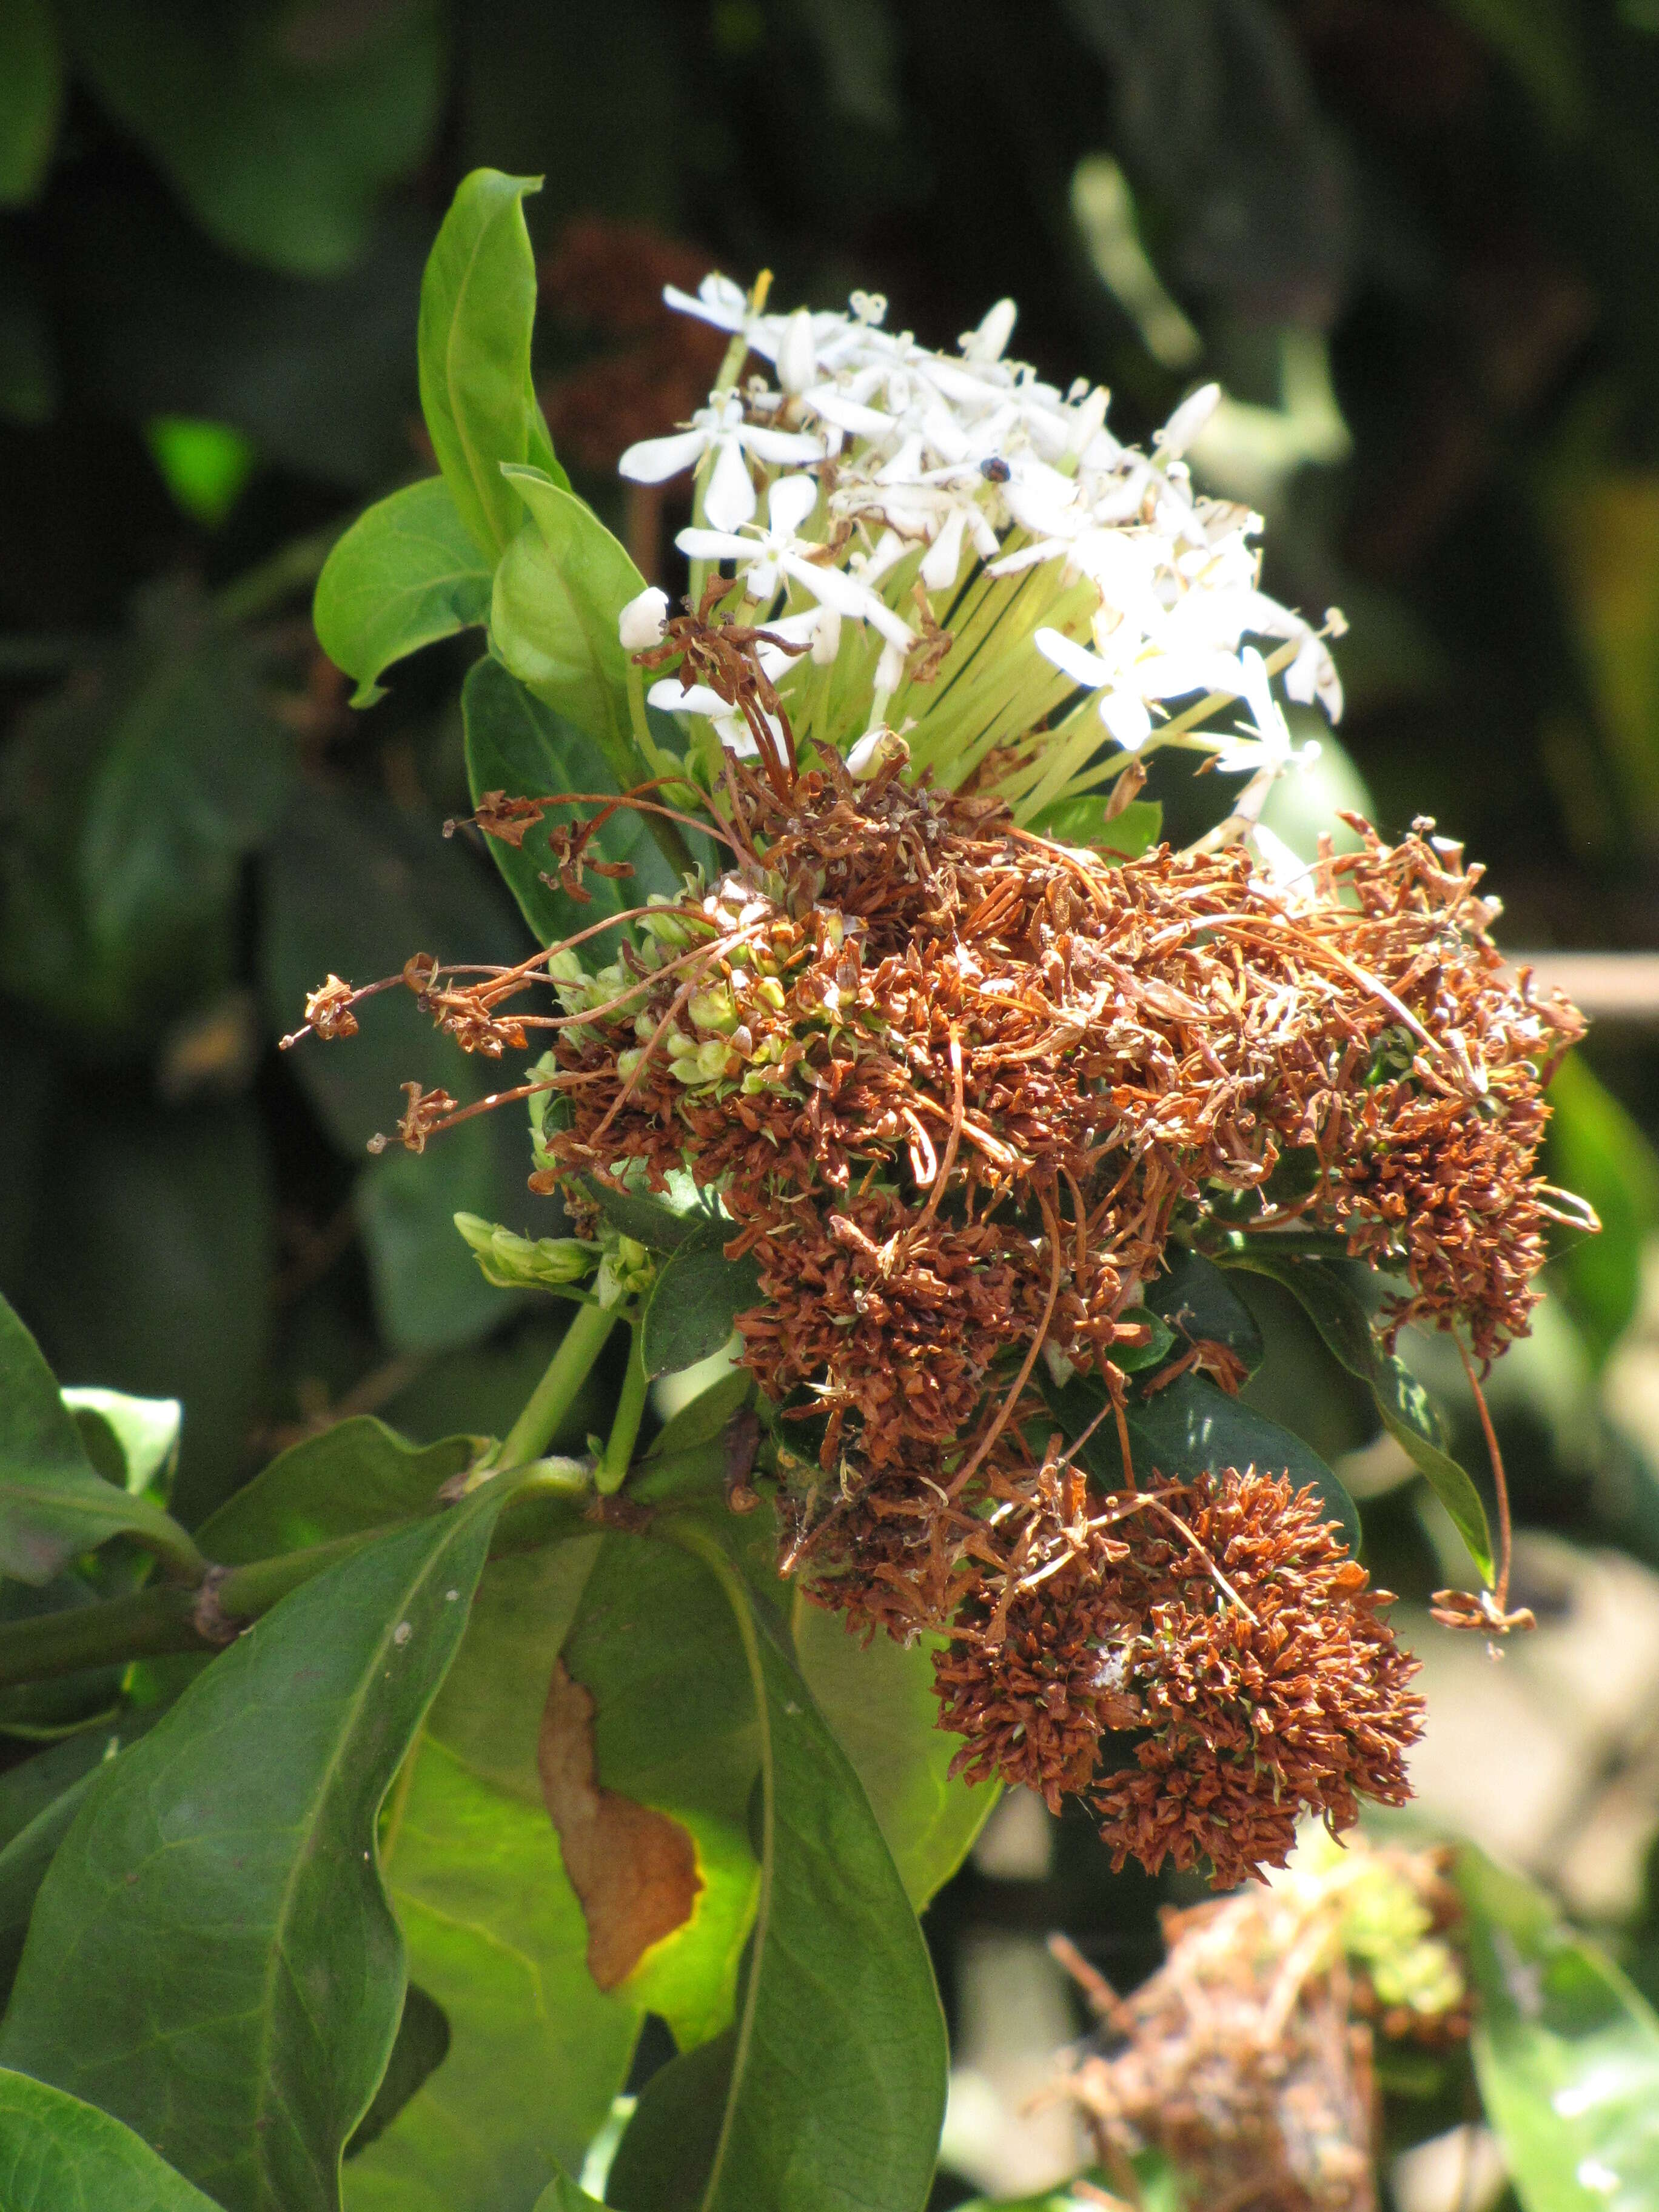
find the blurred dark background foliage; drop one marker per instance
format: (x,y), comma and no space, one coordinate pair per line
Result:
(1418,243)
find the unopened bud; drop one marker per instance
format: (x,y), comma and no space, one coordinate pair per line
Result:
(798,358)
(643,621)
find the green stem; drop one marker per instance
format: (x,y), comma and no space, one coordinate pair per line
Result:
(555,1395)
(618,1452)
(145,1626)
(161,1535)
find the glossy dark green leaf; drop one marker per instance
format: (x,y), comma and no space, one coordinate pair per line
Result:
(1194,1297)
(422,2047)
(355,888)
(516,744)
(835,2090)
(355,1476)
(280,129)
(407,573)
(669,2146)
(249,2059)
(561,583)
(1192,1427)
(1596,1149)
(1326,1288)
(31,96)
(58,2154)
(1566,2051)
(53,1505)
(23,1867)
(695,1305)
(493,1929)
(1160,1341)
(879,1698)
(1083,821)
(478,306)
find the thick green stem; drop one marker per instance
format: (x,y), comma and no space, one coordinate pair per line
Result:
(618,1452)
(555,1395)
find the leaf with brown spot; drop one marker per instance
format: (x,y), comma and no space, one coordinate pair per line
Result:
(635,1870)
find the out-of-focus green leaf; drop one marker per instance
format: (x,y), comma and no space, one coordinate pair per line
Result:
(834,2090)
(130,800)
(54,1505)
(407,573)
(356,1476)
(564,2195)
(178,1201)
(356,888)
(422,2045)
(1083,821)
(1566,2051)
(495,1934)
(58,2154)
(562,584)
(516,744)
(478,306)
(142,1433)
(281,126)
(1326,1291)
(693,1307)
(31,96)
(249,2060)
(204,465)
(879,1698)
(1595,1149)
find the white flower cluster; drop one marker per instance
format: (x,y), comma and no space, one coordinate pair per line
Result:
(970,559)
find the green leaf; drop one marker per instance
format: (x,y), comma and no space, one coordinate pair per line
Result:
(23,1867)
(1566,2052)
(249,2059)
(1083,821)
(53,1505)
(517,745)
(879,1698)
(1192,1427)
(407,573)
(281,127)
(564,2195)
(355,1476)
(834,2093)
(478,306)
(493,1932)
(694,1308)
(204,465)
(131,1441)
(1201,1305)
(1325,1291)
(31,96)
(422,2045)
(1596,1149)
(58,2155)
(561,585)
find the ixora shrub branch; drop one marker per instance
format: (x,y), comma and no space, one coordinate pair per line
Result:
(877,1041)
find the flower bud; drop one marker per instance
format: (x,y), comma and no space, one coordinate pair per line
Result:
(643,621)
(797,359)
(523,1263)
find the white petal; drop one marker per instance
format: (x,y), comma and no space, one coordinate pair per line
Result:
(1189,419)
(641,622)
(1312,675)
(715,545)
(1173,675)
(788,503)
(698,699)
(798,355)
(989,340)
(944,556)
(653,460)
(730,498)
(1072,660)
(846,414)
(719,301)
(781,448)
(733,734)
(836,588)
(890,668)
(826,638)
(1126,716)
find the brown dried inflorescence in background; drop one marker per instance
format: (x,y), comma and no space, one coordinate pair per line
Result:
(957,1088)
(1247,2061)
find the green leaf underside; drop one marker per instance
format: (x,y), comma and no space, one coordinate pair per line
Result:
(553,616)
(212,1957)
(493,1932)
(1192,1428)
(54,1505)
(478,306)
(1566,2051)
(694,1308)
(879,1698)
(839,2024)
(356,1476)
(1325,1290)
(58,2154)
(651,1218)
(515,743)
(407,573)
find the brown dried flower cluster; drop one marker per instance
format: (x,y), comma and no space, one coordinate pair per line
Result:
(1248,2059)
(957,1088)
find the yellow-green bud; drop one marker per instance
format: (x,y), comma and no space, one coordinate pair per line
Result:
(525,1263)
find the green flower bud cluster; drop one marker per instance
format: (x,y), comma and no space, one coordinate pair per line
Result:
(1386,1928)
(527,1263)
(627,1270)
